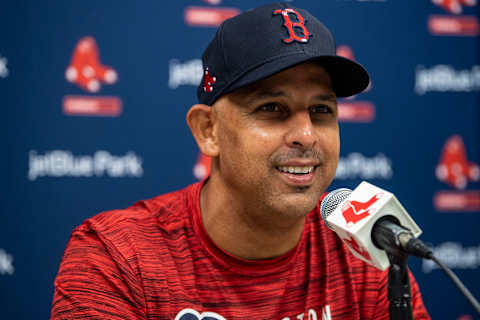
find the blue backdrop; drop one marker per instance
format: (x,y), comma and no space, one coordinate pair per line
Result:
(79,139)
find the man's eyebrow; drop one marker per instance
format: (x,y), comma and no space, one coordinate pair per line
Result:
(326,97)
(265,94)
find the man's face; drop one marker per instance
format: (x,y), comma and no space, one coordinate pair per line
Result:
(279,141)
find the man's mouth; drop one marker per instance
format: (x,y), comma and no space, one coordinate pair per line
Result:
(297,170)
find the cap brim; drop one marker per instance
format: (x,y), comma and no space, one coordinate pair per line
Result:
(347,76)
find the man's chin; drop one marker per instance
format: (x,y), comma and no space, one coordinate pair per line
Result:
(296,205)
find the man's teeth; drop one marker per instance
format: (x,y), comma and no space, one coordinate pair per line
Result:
(296,169)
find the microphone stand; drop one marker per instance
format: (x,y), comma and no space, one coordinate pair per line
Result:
(399,293)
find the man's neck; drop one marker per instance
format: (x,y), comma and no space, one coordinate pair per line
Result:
(245,232)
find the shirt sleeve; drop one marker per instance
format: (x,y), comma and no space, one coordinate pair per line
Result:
(418,308)
(95,281)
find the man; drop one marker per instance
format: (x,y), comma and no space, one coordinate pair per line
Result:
(248,242)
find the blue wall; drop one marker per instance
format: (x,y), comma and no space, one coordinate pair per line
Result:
(420,137)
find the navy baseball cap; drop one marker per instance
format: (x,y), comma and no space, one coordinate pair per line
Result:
(261,42)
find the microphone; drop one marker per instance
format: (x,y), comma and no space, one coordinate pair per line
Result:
(372,223)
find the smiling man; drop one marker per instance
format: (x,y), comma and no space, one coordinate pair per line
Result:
(274,146)
(247,242)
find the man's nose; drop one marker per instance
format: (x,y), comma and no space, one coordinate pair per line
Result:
(301,132)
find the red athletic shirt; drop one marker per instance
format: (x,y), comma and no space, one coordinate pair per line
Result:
(155,260)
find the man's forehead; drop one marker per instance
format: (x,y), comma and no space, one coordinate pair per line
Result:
(274,85)
(270,93)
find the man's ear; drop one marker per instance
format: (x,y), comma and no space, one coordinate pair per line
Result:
(202,122)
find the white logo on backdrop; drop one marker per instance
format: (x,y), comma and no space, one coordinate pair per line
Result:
(443,78)
(455,256)
(6,263)
(62,163)
(3,67)
(357,166)
(187,73)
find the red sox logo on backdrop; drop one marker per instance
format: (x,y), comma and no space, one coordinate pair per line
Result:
(457,171)
(454,6)
(453,168)
(355,211)
(87,72)
(455,23)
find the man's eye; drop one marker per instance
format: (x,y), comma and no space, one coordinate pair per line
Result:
(270,107)
(321,109)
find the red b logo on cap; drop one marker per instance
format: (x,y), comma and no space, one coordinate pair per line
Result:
(289,24)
